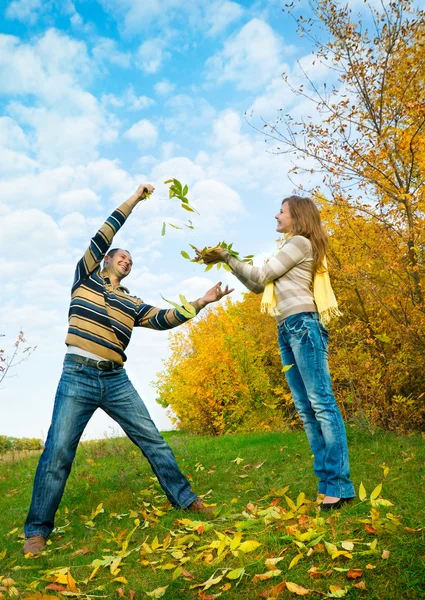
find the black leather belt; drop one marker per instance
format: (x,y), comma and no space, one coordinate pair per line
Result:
(102,365)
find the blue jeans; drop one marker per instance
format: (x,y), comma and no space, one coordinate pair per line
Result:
(82,389)
(303,343)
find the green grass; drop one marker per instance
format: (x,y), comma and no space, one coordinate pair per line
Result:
(115,474)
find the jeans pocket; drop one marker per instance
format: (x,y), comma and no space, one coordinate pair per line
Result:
(73,367)
(297,327)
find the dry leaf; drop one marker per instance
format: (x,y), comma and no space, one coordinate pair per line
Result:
(385,554)
(354,574)
(297,589)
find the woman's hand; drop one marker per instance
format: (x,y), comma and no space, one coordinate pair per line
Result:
(213,256)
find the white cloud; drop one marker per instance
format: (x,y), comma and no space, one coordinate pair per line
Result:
(220,14)
(164,87)
(144,133)
(151,55)
(25,10)
(12,135)
(128,100)
(186,114)
(250,58)
(106,50)
(76,199)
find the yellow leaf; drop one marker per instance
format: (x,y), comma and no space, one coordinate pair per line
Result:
(331,548)
(373,544)
(249,546)
(155,544)
(347,546)
(3,554)
(236,541)
(362,492)
(271,562)
(376,492)
(226,587)
(268,575)
(296,589)
(341,553)
(120,579)
(158,593)
(295,560)
(72,586)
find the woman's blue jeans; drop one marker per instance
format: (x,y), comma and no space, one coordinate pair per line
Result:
(82,389)
(303,343)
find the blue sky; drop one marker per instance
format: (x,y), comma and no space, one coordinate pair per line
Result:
(98,97)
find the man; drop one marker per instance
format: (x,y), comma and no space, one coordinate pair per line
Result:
(102,315)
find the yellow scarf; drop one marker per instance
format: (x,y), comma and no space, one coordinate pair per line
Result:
(324,297)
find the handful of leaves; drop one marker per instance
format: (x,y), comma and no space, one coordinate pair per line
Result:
(220,246)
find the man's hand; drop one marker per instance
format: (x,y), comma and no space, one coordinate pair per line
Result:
(143,191)
(214,295)
(214,256)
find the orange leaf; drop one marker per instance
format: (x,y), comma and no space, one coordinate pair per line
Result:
(187,574)
(55,587)
(370,529)
(385,554)
(354,574)
(275,591)
(360,585)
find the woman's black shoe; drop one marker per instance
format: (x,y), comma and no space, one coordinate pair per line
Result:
(334,505)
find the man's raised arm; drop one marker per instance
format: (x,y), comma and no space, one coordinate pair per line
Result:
(101,242)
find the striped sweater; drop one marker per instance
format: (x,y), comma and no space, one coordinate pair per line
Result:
(101,317)
(291,270)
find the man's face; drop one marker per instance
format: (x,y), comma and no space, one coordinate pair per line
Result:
(120,264)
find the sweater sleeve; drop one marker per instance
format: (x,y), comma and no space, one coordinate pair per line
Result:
(100,243)
(294,251)
(161,319)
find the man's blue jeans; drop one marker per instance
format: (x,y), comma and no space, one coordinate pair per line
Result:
(82,389)
(303,343)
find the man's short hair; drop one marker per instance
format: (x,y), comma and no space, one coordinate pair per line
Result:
(113,251)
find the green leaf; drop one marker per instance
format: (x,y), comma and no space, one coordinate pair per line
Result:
(236,573)
(286,368)
(175,226)
(362,492)
(168,181)
(209,267)
(180,309)
(188,208)
(225,266)
(164,225)
(187,305)
(185,254)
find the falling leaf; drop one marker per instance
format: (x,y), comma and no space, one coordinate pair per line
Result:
(296,589)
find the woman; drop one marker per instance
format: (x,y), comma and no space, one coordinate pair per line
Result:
(287,280)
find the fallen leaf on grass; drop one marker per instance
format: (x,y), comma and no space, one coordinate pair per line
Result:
(295,560)
(360,585)
(354,574)
(236,573)
(55,587)
(267,575)
(410,530)
(336,591)
(275,591)
(316,574)
(158,593)
(296,589)
(385,554)
(249,546)
(370,529)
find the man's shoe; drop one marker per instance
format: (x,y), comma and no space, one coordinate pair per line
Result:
(335,505)
(35,544)
(198,506)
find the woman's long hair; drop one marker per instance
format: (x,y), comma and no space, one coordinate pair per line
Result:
(306,222)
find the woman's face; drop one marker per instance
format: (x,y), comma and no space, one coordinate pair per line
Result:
(284,219)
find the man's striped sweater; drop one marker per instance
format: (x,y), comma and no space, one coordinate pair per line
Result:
(101,316)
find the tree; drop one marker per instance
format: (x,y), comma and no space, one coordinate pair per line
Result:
(18,356)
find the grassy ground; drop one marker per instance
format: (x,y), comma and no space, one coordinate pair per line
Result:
(140,545)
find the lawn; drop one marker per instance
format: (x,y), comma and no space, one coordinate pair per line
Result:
(116,536)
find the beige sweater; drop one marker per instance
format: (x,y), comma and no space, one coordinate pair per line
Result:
(291,270)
